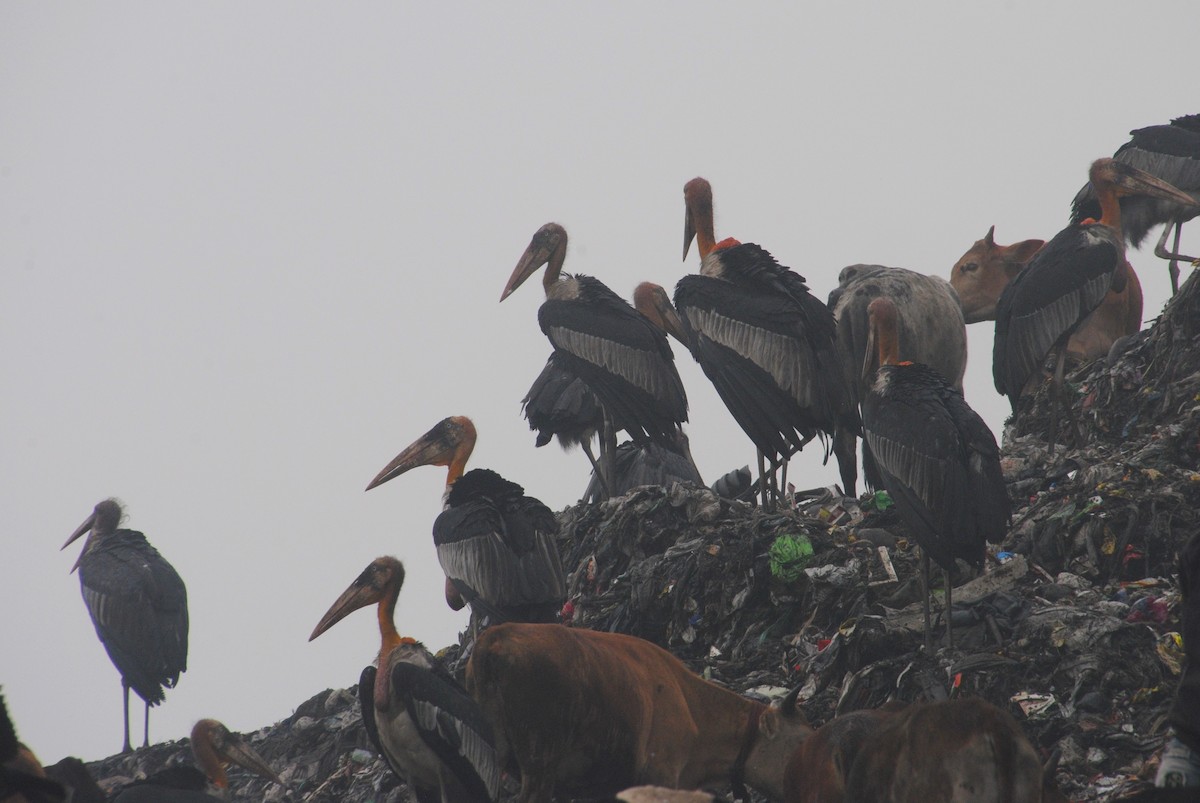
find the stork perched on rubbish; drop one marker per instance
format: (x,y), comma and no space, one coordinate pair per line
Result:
(1171,153)
(767,344)
(496,545)
(215,748)
(1066,280)
(138,604)
(935,456)
(621,356)
(431,732)
(560,404)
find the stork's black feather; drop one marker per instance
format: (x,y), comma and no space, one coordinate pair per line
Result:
(768,347)
(138,604)
(1170,152)
(500,542)
(652,464)
(452,725)
(448,722)
(561,405)
(621,356)
(939,462)
(1064,282)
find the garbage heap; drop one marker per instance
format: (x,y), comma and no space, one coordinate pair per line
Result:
(1072,626)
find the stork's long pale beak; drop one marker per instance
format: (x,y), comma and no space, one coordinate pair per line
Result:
(449,440)
(83,528)
(355,597)
(371,586)
(689,231)
(229,747)
(1131,181)
(428,450)
(547,246)
(535,256)
(248,758)
(651,301)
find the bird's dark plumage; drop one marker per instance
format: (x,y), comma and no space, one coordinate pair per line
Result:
(621,356)
(500,542)
(939,462)
(561,405)
(138,605)
(651,464)
(448,721)
(1061,285)
(768,346)
(1170,152)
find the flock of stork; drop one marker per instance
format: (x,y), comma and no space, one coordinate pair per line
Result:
(884,360)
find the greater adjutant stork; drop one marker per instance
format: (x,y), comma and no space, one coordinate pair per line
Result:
(1171,153)
(620,355)
(421,720)
(930,327)
(934,455)
(496,545)
(1067,279)
(561,405)
(215,748)
(765,342)
(138,604)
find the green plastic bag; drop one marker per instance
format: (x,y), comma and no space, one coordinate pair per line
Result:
(789,555)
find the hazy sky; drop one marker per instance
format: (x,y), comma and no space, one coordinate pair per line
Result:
(251,250)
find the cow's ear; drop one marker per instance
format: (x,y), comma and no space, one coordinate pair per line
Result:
(1022,252)
(768,724)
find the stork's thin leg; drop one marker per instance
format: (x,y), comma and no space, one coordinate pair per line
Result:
(783,480)
(128,748)
(146,727)
(762,478)
(605,492)
(1160,250)
(1061,407)
(925,597)
(949,605)
(608,452)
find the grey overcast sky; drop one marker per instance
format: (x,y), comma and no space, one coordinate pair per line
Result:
(251,250)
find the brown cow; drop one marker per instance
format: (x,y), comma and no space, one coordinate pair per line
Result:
(960,750)
(981,274)
(607,711)
(817,771)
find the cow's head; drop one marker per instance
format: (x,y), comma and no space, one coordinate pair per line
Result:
(980,275)
(781,729)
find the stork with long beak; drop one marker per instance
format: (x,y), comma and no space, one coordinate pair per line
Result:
(561,405)
(934,455)
(1067,279)
(624,359)
(496,545)
(431,732)
(138,604)
(766,343)
(215,749)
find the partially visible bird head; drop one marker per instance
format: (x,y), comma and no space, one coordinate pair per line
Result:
(698,218)
(103,521)
(652,302)
(380,581)
(883,335)
(215,748)
(1124,180)
(548,246)
(449,443)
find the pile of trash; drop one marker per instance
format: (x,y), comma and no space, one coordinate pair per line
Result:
(1072,626)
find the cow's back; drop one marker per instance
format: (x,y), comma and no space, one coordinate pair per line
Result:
(577,706)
